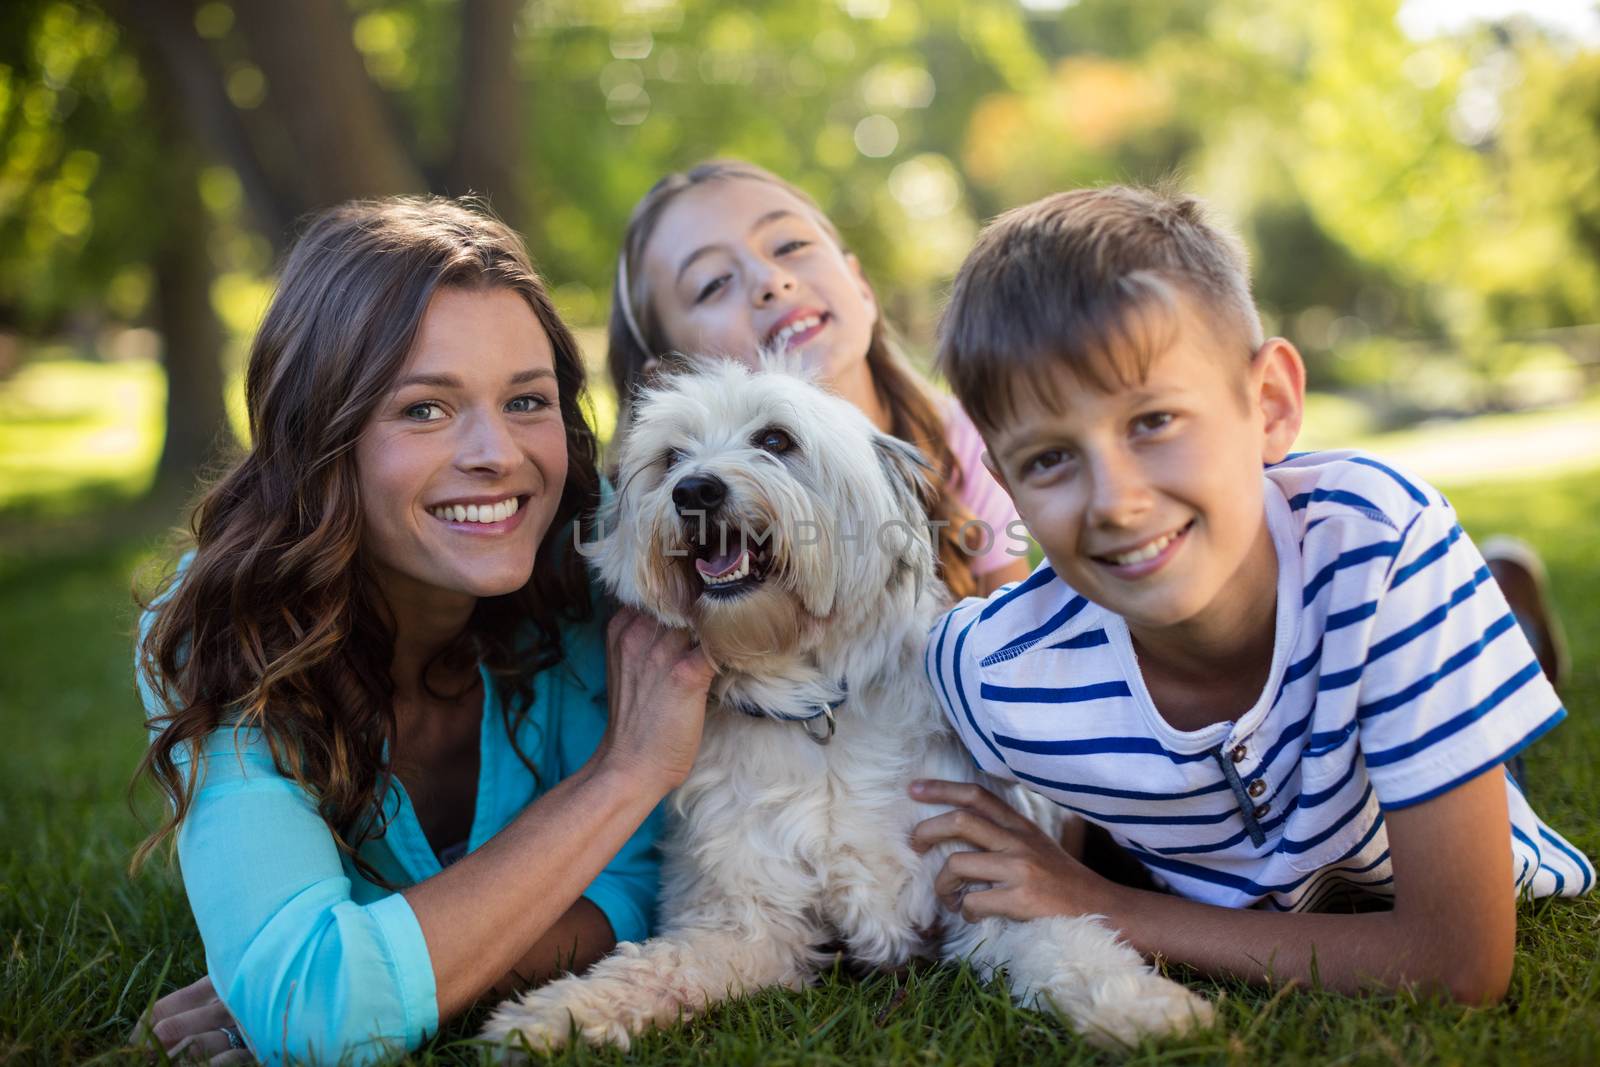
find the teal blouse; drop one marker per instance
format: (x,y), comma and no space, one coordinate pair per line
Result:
(317,963)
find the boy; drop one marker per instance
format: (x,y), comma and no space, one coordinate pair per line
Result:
(1281,682)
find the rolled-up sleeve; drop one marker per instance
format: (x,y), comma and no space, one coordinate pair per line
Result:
(308,973)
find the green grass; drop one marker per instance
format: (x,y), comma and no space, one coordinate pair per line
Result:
(75,434)
(86,948)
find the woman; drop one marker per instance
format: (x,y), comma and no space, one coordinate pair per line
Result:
(376,687)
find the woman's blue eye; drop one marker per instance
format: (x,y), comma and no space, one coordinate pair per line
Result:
(527,404)
(426,411)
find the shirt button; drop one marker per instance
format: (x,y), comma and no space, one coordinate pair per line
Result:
(1262,809)
(1257,787)
(1238,754)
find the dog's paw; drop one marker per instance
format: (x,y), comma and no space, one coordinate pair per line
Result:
(543,1021)
(516,1032)
(1129,1008)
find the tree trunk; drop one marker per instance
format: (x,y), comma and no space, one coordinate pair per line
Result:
(489,110)
(165,33)
(323,135)
(191,337)
(342,137)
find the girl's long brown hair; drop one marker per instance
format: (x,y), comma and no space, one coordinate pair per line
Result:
(914,413)
(276,623)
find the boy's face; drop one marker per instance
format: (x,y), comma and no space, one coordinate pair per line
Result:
(1148,499)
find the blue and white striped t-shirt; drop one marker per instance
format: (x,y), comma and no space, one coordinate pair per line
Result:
(1398,673)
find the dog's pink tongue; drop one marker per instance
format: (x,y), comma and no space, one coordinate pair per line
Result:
(717,566)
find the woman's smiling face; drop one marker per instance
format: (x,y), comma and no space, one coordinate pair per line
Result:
(738,265)
(461,467)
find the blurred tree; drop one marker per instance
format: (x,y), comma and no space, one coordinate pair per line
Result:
(1552,132)
(280,94)
(489,108)
(191,335)
(860,102)
(286,97)
(1440,188)
(78,164)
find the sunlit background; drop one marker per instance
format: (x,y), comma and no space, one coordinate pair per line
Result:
(1417,181)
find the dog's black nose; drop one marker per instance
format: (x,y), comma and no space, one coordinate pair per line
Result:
(699,493)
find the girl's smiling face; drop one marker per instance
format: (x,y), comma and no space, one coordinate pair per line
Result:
(461,468)
(739,265)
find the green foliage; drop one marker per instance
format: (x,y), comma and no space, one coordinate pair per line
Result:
(1439,189)
(77,166)
(1552,140)
(1462,166)
(865,113)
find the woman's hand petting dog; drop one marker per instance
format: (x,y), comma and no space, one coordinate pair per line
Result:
(1016,871)
(192,1026)
(658,679)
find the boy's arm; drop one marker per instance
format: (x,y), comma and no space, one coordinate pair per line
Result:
(1452,929)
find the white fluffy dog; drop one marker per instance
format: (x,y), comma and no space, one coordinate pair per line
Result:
(775,521)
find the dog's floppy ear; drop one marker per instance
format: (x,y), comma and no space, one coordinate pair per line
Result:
(908,471)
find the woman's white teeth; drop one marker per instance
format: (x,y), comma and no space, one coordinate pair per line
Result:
(797,326)
(741,571)
(480,513)
(1149,551)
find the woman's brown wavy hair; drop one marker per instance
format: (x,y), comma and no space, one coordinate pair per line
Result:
(276,623)
(913,408)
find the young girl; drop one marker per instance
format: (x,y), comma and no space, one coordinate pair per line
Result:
(728,259)
(377,689)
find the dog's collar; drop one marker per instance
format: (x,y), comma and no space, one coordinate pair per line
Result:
(821,735)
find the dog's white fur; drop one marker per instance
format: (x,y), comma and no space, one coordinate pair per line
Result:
(779,844)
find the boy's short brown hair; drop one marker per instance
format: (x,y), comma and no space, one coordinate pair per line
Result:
(1089,280)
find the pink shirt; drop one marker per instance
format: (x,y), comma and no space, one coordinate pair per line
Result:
(992,545)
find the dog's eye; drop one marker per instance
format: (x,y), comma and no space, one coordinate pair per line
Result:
(773,440)
(670,458)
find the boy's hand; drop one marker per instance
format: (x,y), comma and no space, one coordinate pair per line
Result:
(1025,874)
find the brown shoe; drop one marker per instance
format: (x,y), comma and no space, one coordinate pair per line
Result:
(1520,573)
